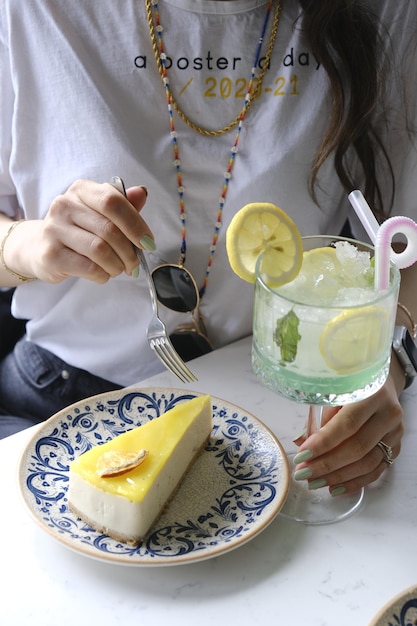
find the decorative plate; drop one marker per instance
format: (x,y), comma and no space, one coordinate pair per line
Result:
(401,610)
(234,489)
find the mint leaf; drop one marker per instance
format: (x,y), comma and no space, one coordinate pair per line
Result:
(286,336)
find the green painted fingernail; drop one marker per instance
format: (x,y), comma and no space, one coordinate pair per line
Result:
(305,455)
(317,483)
(135,272)
(147,243)
(338,491)
(302,474)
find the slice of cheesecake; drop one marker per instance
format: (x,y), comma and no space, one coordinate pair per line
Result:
(121,487)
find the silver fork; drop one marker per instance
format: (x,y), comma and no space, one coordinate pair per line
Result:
(157,333)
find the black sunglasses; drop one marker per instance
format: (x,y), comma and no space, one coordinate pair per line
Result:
(177,290)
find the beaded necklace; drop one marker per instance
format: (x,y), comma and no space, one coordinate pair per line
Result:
(160,56)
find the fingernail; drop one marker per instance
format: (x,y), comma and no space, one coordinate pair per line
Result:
(302,474)
(135,272)
(305,455)
(147,243)
(338,491)
(145,189)
(300,435)
(317,483)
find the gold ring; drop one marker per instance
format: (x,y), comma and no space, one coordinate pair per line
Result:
(386,451)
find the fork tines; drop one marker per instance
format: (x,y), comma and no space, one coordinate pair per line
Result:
(166,352)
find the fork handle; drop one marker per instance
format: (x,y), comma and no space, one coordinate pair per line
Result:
(152,291)
(118,184)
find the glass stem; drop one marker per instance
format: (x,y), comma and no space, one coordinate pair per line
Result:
(314,419)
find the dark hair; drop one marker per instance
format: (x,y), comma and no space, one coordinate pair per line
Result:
(343,35)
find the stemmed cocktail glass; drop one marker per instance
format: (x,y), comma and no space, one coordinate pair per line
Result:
(324,349)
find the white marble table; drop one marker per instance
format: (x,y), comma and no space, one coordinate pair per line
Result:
(291,574)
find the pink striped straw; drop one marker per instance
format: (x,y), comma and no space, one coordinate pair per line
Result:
(384,252)
(382,237)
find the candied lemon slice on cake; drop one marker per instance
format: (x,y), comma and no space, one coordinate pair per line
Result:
(263,228)
(115,463)
(355,339)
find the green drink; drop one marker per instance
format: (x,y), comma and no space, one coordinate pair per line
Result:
(325,338)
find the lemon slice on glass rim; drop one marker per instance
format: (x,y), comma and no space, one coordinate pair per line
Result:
(263,228)
(354,339)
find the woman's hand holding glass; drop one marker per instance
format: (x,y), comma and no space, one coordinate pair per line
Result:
(343,454)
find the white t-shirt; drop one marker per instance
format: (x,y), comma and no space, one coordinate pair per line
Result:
(81,97)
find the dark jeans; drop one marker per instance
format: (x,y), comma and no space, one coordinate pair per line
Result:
(35,384)
(11,329)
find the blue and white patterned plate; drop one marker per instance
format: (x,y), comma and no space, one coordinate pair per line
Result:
(234,489)
(401,610)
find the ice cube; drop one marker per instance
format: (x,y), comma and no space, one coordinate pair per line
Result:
(351,296)
(356,265)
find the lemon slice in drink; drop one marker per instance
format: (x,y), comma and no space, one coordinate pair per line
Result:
(261,227)
(354,340)
(321,259)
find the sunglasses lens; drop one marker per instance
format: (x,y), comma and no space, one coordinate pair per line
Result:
(190,344)
(175,288)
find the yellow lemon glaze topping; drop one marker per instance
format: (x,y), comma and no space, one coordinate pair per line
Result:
(159,437)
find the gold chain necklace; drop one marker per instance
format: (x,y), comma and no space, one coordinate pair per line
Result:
(254,94)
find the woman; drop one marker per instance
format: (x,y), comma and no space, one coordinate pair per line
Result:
(85,88)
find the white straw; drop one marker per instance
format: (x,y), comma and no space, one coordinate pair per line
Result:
(364,212)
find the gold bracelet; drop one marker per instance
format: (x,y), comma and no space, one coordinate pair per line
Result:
(404,309)
(23,279)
